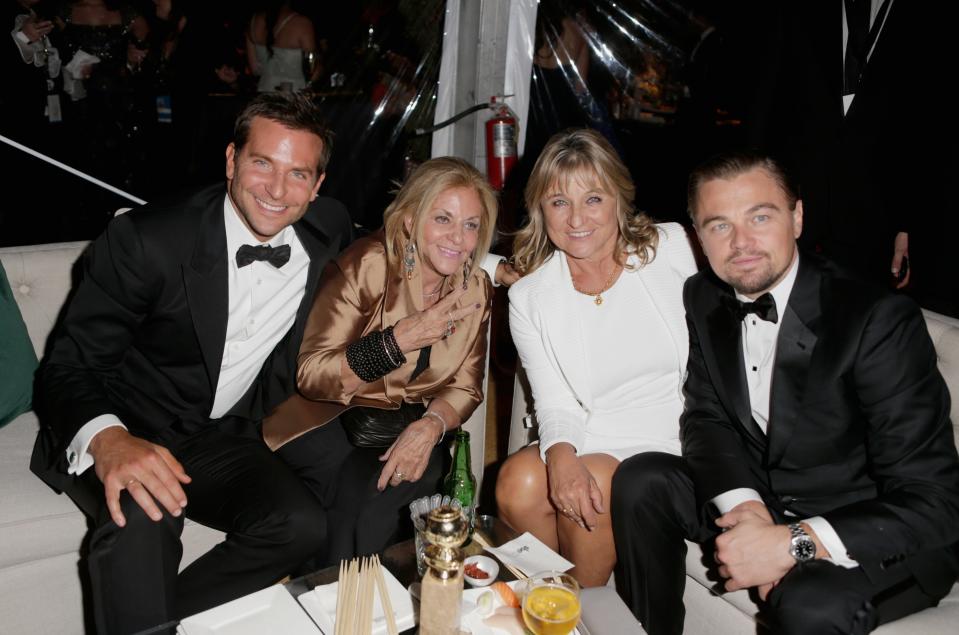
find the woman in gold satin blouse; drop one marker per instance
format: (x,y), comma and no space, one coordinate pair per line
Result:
(400,321)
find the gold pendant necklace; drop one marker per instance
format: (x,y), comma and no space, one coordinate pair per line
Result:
(597,295)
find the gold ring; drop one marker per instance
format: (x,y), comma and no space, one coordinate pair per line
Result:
(399,475)
(130,482)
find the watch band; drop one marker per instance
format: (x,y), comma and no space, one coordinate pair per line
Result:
(801,545)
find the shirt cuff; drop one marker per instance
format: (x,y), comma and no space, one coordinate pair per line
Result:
(78,459)
(23,45)
(726,501)
(489,265)
(831,541)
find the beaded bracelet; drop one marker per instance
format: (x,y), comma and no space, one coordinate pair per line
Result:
(369,358)
(440,420)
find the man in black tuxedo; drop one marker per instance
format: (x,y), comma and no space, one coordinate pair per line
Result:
(816,424)
(181,335)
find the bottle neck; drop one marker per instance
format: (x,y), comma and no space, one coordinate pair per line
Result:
(461,456)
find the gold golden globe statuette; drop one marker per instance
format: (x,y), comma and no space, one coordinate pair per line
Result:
(446,530)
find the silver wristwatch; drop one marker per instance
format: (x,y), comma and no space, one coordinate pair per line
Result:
(801,546)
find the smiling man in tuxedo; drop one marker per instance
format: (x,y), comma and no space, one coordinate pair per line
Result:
(181,336)
(816,433)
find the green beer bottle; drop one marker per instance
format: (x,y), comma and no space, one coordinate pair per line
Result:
(460,482)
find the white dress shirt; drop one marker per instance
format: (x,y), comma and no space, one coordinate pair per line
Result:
(759,354)
(262,305)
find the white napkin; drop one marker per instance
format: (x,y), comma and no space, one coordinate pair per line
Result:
(72,82)
(320,604)
(530,556)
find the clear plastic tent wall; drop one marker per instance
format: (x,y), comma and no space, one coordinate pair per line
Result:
(634,70)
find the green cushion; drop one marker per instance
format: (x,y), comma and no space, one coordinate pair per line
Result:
(17,359)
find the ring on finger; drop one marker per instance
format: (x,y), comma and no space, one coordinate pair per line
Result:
(450,328)
(130,482)
(399,475)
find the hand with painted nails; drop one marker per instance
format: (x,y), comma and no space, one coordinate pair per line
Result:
(433,324)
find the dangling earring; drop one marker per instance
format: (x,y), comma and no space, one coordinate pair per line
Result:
(466,271)
(409,261)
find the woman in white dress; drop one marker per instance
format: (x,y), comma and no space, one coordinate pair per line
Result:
(599,324)
(276,43)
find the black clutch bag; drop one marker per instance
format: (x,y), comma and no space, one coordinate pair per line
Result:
(376,428)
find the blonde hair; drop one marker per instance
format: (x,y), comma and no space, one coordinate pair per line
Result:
(418,194)
(574,154)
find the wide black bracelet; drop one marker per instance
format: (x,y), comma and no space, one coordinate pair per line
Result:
(368,357)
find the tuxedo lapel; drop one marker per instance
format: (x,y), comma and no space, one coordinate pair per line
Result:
(725,336)
(794,349)
(318,246)
(821,25)
(207,290)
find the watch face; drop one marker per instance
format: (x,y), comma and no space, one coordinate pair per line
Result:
(803,548)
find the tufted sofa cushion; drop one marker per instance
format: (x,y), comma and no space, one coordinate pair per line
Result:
(40,279)
(40,532)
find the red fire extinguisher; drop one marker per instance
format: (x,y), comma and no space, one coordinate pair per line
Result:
(501,134)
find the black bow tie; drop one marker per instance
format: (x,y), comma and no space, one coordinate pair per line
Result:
(764,307)
(276,256)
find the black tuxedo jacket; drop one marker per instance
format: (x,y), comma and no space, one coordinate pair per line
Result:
(143,335)
(859,430)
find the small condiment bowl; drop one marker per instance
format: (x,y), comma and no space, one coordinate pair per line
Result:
(486,565)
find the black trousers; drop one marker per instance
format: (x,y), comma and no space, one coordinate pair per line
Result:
(239,487)
(362,520)
(654,511)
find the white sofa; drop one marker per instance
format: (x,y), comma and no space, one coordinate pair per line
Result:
(41,533)
(711,613)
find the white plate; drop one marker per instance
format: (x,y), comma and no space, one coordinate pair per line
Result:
(272,610)
(320,603)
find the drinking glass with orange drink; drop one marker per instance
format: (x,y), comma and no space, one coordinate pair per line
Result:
(551,603)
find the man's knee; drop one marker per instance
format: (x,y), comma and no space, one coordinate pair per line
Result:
(809,600)
(139,528)
(646,478)
(293,533)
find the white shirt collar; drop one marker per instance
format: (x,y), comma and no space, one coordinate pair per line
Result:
(782,290)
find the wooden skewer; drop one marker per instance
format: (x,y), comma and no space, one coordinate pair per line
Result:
(340,596)
(366,618)
(385,597)
(478,537)
(349,621)
(358,606)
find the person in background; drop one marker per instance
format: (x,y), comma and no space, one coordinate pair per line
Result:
(597,319)
(278,40)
